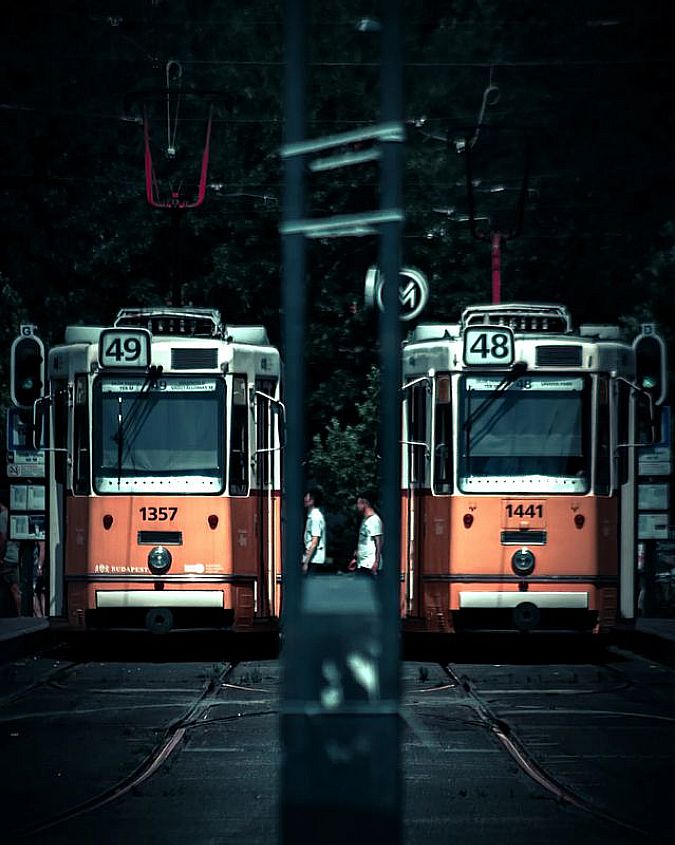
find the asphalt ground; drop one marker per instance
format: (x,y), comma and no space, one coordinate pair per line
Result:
(501,742)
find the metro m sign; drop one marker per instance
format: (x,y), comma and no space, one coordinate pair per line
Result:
(413,291)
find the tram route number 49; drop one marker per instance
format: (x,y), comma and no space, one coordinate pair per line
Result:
(124,348)
(488,345)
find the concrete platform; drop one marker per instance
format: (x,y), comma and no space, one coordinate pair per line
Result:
(657,627)
(21,626)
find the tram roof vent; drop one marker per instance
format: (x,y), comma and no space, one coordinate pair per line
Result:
(181,322)
(523,318)
(559,355)
(194,358)
(83,334)
(434,331)
(254,335)
(600,332)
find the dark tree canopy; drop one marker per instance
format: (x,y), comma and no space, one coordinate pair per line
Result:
(581,93)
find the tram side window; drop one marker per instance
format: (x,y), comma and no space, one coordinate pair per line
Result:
(81,472)
(443,437)
(603,457)
(239,439)
(417,434)
(264,421)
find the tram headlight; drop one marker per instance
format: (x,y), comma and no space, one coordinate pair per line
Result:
(159,560)
(522,562)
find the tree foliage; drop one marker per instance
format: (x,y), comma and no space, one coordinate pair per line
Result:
(582,94)
(344,460)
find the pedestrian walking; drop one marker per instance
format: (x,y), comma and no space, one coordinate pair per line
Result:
(371,537)
(314,556)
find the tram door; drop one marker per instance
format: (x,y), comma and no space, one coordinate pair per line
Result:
(416,489)
(268,486)
(635,419)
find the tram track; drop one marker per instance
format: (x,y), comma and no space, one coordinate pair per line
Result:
(195,714)
(50,680)
(529,765)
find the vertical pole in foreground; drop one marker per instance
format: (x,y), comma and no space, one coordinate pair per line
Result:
(340,773)
(293,797)
(391,199)
(294,312)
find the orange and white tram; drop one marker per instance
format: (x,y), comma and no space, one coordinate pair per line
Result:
(164,473)
(519,473)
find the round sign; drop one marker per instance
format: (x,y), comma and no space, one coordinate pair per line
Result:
(413,291)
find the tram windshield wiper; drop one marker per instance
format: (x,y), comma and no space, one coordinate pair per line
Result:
(519,369)
(119,438)
(124,423)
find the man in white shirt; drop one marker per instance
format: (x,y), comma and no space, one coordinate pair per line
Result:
(314,557)
(371,538)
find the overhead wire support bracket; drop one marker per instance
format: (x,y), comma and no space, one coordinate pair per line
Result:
(165,96)
(344,225)
(344,160)
(497,238)
(341,224)
(389,131)
(151,186)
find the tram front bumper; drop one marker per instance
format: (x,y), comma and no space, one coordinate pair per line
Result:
(497,600)
(163,598)
(524,611)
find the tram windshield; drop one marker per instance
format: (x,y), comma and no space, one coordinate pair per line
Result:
(165,435)
(528,436)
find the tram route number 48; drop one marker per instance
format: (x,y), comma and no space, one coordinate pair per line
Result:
(485,345)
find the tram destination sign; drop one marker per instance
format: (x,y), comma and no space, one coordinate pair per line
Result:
(535,384)
(161,385)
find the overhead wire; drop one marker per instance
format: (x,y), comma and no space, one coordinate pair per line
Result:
(630,61)
(171,134)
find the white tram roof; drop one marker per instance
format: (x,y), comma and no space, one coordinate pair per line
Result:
(544,339)
(527,316)
(182,339)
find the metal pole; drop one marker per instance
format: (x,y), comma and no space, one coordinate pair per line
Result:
(390,359)
(294,313)
(340,779)
(390,340)
(293,793)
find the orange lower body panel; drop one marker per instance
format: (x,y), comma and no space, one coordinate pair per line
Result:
(219,567)
(509,561)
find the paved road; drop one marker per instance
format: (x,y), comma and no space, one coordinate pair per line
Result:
(509,747)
